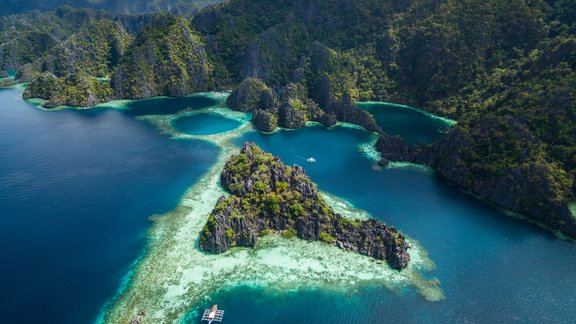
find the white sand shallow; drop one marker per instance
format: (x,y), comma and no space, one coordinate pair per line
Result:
(173,275)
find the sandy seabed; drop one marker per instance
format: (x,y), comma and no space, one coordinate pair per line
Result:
(173,275)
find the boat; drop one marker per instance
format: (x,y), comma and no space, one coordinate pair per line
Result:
(213,314)
(311,160)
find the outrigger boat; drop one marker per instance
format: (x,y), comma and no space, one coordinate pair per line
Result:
(213,314)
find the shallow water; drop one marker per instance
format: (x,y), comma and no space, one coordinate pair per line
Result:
(11,73)
(76,191)
(492,268)
(205,124)
(78,187)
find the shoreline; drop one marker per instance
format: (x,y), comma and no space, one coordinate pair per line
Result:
(173,275)
(450,122)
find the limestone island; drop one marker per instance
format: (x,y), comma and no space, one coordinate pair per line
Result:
(269,196)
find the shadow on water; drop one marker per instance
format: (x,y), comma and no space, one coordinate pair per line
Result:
(76,191)
(167,105)
(412,125)
(205,124)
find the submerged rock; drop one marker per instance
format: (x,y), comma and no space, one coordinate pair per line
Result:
(267,195)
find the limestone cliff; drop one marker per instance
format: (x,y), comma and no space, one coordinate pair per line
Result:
(500,160)
(167,58)
(76,90)
(268,195)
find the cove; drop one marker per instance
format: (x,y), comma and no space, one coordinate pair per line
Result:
(412,124)
(11,73)
(205,124)
(493,268)
(167,105)
(76,191)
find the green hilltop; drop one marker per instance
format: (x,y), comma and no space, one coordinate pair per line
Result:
(505,70)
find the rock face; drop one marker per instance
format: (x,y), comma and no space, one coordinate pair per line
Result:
(252,94)
(3,74)
(166,59)
(268,195)
(479,159)
(289,109)
(394,148)
(26,73)
(95,50)
(265,120)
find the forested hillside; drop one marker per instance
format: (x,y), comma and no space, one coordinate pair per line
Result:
(506,70)
(180,7)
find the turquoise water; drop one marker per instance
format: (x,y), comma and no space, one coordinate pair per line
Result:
(76,191)
(205,124)
(412,125)
(11,73)
(78,188)
(493,268)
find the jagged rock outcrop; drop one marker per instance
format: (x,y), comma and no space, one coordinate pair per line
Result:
(75,90)
(265,120)
(167,58)
(270,110)
(268,195)
(479,158)
(95,50)
(250,95)
(394,148)
(346,111)
(26,73)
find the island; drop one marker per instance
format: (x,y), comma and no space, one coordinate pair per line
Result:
(268,196)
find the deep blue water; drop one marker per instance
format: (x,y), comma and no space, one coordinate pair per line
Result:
(77,187)
(493,268)
(167,105)
(205,124)
(412,125)
(76,191)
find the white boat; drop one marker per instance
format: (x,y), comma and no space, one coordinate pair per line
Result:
(311,160)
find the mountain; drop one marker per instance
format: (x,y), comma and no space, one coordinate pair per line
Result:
(179,7)
(506,71)
(166,58)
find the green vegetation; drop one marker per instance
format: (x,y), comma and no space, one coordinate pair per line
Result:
(273,197)
(75,90)
(181,7)
(166,58)
(506,70)
(95,50)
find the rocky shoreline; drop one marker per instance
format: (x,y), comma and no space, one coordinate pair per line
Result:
(267,196)
(525,186)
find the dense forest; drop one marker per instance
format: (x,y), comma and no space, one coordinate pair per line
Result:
(179,7)
(506,71)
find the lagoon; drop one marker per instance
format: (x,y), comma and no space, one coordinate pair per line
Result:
(77,189)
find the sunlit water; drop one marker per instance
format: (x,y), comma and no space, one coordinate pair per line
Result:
(76,191)
(77,187)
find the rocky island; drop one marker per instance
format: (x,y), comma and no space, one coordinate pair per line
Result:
(268,196)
